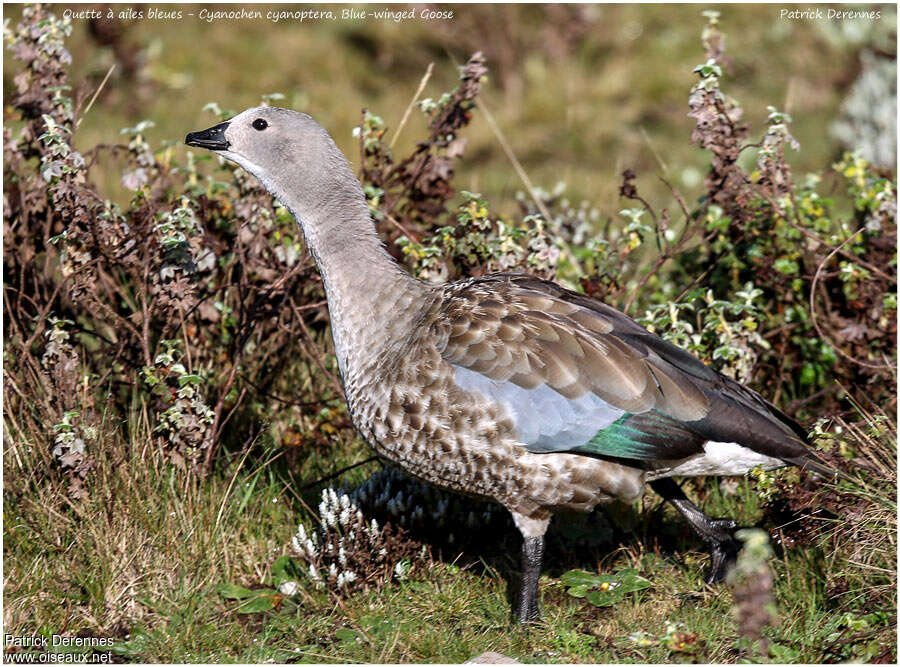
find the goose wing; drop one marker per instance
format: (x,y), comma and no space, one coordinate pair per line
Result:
(578,375)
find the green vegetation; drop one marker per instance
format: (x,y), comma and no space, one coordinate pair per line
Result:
(180,470)
(161,576)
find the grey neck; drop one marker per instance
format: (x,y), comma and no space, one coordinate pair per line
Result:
(368,293)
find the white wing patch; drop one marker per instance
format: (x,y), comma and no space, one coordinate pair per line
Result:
(546,420)
(719,458)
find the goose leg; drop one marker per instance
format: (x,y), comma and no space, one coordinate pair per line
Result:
(716,533)
(532,555)
(532,530)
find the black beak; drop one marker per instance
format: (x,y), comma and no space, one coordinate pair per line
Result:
(213,138)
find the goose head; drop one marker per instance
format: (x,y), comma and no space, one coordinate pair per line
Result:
(289,152)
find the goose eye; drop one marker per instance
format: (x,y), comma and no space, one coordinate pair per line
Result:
(260,124)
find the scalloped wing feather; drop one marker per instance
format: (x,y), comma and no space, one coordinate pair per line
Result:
(534,338)
(565,364)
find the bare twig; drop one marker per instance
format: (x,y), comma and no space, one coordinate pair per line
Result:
(680,200)
(815,319)
(409,234)
(338,473)
(659,160)
(96,93)
(298,404)
(517,166)
(798,403)
(671,251)
(408,181)
(320,354)
(412,103)
(216,428)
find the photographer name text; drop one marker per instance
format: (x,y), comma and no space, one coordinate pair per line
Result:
(830,14)
(54,641)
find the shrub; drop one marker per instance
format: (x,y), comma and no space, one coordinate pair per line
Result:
(190,299)
(348,553)
(821,268)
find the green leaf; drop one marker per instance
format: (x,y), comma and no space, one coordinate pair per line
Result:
(263,600)
(347,635)
(604,590)
(579,578)
(604,598)
(787,266)
(189,379)
(285,569)
(578,591)
(233,592)
(807,374)
(634,581)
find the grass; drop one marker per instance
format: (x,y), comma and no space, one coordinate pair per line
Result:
(141,558)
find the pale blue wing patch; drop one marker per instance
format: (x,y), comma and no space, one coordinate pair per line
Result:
(546,421)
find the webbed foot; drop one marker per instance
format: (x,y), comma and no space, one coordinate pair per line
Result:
(723,548)
(718,534)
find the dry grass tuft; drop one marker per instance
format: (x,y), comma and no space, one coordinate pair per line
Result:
(146,538)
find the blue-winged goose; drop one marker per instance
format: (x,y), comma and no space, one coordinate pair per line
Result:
(505,386)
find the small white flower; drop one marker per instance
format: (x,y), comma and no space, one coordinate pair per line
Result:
(401,569)
(345,578)
(289,588)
